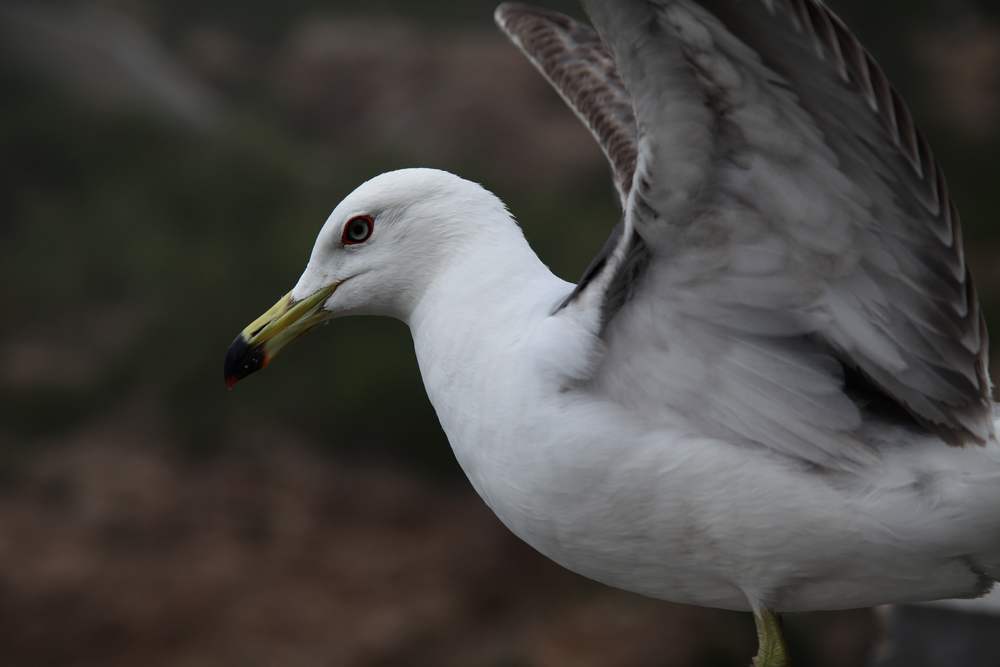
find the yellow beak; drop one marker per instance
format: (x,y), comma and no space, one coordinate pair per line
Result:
(261,341)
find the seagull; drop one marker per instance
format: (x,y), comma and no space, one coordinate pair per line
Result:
(769,391)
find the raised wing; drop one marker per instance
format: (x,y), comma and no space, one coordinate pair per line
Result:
(801,237)
(576,63)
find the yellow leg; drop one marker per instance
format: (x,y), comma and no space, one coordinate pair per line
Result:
(771,651)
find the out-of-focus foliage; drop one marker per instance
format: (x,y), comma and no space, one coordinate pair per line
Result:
(137,246)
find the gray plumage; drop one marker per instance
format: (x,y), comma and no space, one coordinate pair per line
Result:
(784,219)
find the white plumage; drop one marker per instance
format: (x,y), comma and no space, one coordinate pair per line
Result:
(635,493)
(770,388)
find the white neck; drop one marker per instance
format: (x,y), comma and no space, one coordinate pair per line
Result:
(474,324)
(485,296)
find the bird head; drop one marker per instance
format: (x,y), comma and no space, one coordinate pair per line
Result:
(375,255)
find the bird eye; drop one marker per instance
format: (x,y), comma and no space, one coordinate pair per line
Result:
(357,230)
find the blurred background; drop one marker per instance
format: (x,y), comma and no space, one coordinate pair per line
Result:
(164,168)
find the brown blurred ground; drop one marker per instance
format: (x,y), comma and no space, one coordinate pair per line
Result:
(117,554)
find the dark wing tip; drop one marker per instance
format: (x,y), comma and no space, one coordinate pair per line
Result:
(576,62)
(508,12)
(517,18)
(504,11)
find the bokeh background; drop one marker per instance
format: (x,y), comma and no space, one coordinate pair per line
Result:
(164,167)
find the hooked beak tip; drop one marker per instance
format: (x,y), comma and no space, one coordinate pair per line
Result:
(242,360)
(264,337)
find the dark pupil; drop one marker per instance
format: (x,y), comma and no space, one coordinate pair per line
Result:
(358,230)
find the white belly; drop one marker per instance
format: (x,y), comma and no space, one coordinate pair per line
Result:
(702,522)
(658,510)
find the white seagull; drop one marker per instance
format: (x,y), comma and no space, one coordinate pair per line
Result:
(769,390)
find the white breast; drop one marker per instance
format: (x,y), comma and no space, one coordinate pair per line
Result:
(645,503)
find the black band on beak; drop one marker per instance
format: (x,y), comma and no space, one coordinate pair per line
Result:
(243,360)
(283,322)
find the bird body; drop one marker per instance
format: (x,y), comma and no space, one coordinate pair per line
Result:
(646,502)
(769,391)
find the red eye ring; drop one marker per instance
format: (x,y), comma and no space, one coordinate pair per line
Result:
(357,230)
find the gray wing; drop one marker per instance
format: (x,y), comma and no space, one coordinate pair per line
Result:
(574,60)
(799,235)
(576,63)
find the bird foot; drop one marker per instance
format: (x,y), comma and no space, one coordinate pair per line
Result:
(771,650)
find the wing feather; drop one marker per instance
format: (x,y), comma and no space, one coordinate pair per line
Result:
(576,63)
(785,192)
(790,258)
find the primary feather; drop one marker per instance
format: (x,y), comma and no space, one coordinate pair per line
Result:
(789,215)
